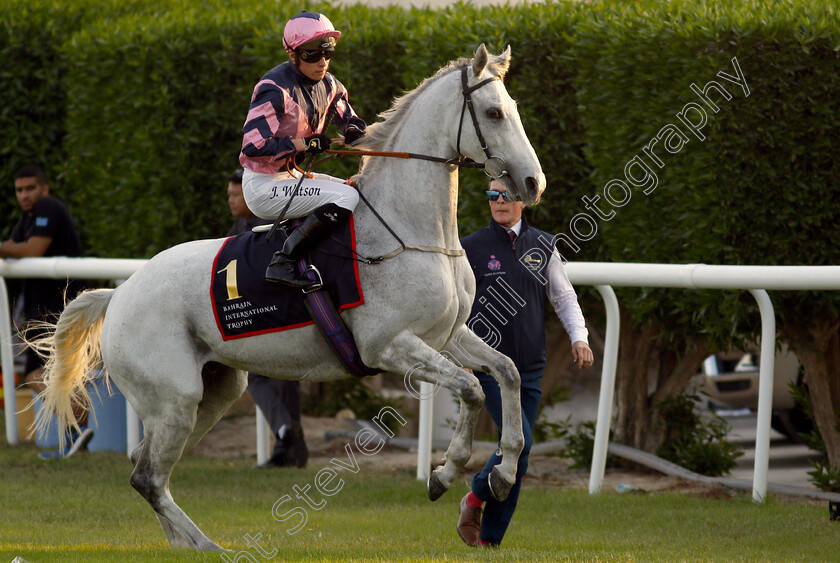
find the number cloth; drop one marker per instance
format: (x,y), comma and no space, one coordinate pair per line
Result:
(244,304)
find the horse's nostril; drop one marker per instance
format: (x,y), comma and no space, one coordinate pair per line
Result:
(532,184)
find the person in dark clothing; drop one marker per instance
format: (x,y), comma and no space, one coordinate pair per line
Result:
(44,229)
(278,399)
(514,275)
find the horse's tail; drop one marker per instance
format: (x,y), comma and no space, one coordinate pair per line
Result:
(72,351)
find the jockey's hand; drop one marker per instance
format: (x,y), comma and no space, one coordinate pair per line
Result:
(582,355)
(352,134)
(317,143)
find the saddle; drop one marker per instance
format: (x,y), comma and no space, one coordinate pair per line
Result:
(245,305)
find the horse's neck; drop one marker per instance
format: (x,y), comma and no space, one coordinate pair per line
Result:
(418,198)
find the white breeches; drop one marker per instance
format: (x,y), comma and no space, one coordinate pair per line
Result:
(267,194)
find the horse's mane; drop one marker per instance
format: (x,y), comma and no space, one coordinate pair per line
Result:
(377,134)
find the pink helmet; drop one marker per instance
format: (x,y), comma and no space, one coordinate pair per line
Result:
(306,27)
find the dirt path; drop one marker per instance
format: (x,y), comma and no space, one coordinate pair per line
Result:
(235,437)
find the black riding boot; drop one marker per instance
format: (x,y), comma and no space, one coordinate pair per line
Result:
(315,228)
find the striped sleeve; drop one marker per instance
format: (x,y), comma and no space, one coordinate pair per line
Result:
(344,115)
(263,122)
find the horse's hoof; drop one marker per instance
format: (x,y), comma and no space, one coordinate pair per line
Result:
(435,487)
(499,488)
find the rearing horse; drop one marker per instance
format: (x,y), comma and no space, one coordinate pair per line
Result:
(159,341)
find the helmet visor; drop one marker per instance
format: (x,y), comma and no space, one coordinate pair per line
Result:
(320,43)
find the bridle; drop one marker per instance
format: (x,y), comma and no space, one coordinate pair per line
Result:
(497,168)
(466,90)
(494,167)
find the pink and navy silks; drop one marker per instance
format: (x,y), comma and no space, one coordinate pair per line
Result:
(286,105)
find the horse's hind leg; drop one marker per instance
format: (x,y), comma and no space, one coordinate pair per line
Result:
(163,444)
(222,386)
(168,407)
(471,352)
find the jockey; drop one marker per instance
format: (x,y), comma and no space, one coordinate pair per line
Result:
(289,112)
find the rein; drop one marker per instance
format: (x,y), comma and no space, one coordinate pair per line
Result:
(460,161)
(403,246)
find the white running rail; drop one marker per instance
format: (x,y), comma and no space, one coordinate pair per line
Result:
(755,279)
(602,275)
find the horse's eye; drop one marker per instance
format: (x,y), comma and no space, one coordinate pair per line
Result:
(495,113)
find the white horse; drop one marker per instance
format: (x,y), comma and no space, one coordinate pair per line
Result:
(159,342)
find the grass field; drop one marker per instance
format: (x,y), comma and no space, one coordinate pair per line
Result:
(83,509)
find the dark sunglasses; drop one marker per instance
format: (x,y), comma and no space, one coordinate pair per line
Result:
(493,195)
(314,55)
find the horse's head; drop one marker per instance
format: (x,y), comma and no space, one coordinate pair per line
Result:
(506,150)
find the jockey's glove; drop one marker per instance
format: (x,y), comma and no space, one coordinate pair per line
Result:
(317,143)
(352,134)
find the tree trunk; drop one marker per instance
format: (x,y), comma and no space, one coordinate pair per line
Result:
(675,374)
(817,346)
(637,421)
(632,413)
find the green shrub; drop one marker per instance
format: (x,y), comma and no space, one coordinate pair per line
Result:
(326,399)
(695,442)
(823,476)
(581,446)
(545,430)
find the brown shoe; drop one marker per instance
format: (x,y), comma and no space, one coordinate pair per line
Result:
(469,523)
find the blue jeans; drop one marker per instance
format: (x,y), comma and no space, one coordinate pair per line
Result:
(497,515)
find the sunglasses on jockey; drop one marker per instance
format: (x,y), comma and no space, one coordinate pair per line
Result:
(314,51)
(315,55)
(493,195)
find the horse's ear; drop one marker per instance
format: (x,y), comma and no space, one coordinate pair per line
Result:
(501,63)
(480,60)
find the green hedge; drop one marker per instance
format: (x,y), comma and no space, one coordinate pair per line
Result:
(742,195)
(135,109)
(154,120)
(32,96)
(540,78)
(158,109)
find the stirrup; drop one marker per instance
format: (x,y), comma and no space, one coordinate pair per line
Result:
(318,284)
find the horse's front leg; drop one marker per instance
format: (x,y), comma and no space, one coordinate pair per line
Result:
(471,352)
(409,355)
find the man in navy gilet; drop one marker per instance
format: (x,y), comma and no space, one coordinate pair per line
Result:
(514,274)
